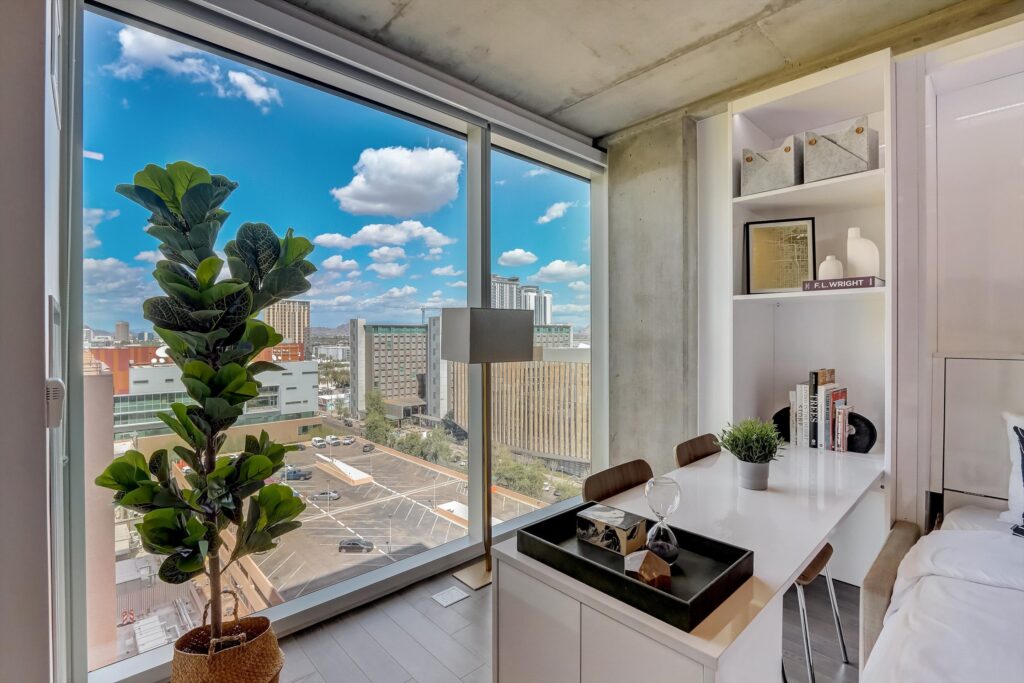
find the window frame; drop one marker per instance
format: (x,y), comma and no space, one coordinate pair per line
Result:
(283,40)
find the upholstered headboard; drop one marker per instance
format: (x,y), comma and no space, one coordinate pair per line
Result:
(974,467)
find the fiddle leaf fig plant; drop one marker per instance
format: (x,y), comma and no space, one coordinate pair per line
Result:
(207,318)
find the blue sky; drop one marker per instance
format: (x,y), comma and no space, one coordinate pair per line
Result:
(383,198)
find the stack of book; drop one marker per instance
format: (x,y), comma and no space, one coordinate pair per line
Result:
(819,412)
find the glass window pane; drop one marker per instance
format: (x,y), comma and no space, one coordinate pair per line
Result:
(540,260)
(383,199)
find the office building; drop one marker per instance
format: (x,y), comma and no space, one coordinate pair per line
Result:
(331,352)
(539,301)
(290,319)
(121,333)
(505,292)
(392,360)
(437,371)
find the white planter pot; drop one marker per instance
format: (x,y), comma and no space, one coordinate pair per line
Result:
(754,475)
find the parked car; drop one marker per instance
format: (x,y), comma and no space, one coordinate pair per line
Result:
(318,442)
(368,448)
(297,475)
(348,423)
(355,545)
(348,441)
(325,495)
(333,440)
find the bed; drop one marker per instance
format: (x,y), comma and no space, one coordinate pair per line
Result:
(949,606)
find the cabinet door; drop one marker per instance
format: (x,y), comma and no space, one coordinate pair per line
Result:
(538,636)
(613,653)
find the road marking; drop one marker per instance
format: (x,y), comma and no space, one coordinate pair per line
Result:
(279,566)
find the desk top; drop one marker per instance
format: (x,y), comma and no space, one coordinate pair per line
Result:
(809,492)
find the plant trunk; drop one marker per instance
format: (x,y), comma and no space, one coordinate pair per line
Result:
(213,561)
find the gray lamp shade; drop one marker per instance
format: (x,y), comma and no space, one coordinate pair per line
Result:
(486,335)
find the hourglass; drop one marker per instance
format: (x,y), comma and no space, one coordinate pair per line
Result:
(663,497)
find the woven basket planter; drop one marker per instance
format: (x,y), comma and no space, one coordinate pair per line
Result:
(247,652)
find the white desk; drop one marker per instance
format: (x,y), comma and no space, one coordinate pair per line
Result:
(550,627)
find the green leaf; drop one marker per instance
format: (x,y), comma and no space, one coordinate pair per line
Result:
(257,246)
(207,272)
(184,176)
(125,472)
(285,282)
(159,182)
(176,427)
(165,312)
(172,570)
(259,366)
(145,197)
(294,248)
(255,468)
(222,290)
(159,465)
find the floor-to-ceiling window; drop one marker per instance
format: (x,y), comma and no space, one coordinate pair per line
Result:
(383,422)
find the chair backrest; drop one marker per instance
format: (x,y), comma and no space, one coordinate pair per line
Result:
(616,479)
(696,448)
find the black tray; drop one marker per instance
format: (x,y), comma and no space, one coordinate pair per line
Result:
(705,574)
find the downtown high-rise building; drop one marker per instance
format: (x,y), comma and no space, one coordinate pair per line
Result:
(390,359)
(505,292)
(539,301)
(290,319)
(122,335)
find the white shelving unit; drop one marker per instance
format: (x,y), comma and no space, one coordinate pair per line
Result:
(778,338)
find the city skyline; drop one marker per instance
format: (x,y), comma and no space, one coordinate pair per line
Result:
(382,197)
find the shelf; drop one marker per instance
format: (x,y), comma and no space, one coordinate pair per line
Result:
(845,192)
(831,295)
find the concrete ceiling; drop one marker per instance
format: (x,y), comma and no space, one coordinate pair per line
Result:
(598,66)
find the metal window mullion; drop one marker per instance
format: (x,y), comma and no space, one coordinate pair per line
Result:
(478,268)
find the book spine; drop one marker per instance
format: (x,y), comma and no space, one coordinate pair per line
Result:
(812,413)
(803,414)
(843,283)
(792,417)
(826,422)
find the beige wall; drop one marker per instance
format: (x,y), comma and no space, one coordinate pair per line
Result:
(284,431)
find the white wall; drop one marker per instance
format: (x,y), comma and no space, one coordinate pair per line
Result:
(24,600)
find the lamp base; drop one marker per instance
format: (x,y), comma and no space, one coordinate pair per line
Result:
(476,576)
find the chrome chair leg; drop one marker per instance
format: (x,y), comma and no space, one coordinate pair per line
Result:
(806,630)
(835,614)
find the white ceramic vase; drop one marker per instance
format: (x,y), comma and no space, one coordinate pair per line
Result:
(830,269)
(861,255)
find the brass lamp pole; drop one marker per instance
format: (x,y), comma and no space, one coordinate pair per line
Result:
(481,336)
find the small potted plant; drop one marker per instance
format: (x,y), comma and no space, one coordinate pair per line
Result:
(755,444)
(201,510)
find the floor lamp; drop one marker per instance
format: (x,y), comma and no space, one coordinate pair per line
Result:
(481,336)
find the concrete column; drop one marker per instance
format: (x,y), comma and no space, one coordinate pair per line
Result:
(652,240)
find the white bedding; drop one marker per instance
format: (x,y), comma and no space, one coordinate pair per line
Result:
(974,518)
(956,614)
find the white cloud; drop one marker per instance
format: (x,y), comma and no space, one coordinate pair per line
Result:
(142,51)
(534,172)
(571,308)
(459,284)
(560,271)
(434,254)
(401,182)
(517,257)
(387,271)
(91,218)
(252,87)
(112,287)
(378,234)
(555,211)
(354,274)
(579,286)
(339,262)
(95,156)
(325,284)
(436,293)
(387,254)
(390,296)
(149,256)
(446,271)
(500,182)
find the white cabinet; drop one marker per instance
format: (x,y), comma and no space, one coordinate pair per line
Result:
(614,653)
(538,630)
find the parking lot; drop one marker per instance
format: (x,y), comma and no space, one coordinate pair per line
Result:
(396,512)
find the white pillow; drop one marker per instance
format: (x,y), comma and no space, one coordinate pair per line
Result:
(1016,492)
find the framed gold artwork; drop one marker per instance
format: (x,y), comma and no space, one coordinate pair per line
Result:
(779,254)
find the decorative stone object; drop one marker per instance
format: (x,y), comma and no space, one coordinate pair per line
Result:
(829,155)
(646,567)
(612,529)
(772,169)
(830,269)
(861,255)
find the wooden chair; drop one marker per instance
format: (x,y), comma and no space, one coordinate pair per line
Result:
(616,479)
(696,448)
(816,566)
